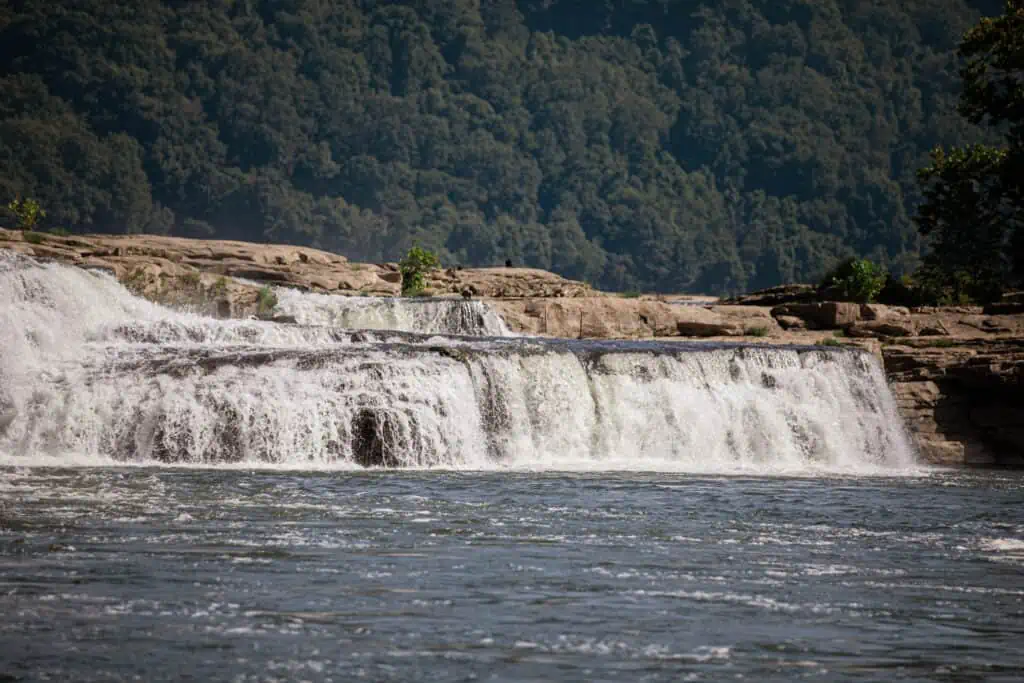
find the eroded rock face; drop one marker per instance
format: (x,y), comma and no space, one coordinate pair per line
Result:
(613,318)
(963,400)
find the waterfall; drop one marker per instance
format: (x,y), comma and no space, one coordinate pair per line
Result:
(424,315)
(90,373)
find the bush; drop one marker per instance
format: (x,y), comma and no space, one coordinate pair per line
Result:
(34,237)
(830,341)
(414,268)
(59,232)
(854,280)
(756,332)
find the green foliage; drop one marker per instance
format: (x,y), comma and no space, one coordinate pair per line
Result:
(830,341)
(34,237)
(191,280)
(414,267)
(632,294)
(854,280)
(653,145)
(756,332)
(59,232)
(266,301)
(220,287)
(135,281)
(973,208)
(27,212)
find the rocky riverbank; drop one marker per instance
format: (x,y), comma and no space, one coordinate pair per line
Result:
(957,373)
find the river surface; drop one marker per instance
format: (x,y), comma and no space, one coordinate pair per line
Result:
(111,574)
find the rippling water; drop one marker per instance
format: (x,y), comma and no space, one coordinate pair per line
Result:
(163,574)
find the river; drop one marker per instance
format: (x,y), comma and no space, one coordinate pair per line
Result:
(142,573)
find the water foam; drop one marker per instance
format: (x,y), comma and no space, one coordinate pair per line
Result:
(95,375)
(429,316)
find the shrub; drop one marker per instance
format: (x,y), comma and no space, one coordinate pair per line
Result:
(220,287)
(756,332)
(34,237)
(59,232)
(854,280)
(27,211)
(266,301)
(414,268)
(631,294)
(830,341)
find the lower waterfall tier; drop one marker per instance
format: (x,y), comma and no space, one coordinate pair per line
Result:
(470,406)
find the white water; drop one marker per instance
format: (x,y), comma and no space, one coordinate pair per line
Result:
(90,374)
(428,316)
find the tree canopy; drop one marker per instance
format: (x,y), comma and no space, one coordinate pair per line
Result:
(639,144)
(974,196)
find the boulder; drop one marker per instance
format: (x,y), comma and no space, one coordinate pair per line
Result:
(883,312)
(791,322)
(775,296)
(827,315)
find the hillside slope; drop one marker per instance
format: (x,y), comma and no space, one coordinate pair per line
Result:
(635,144)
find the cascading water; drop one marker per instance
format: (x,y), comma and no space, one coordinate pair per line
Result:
(428,316)
(90,373)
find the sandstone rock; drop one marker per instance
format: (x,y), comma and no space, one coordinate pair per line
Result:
(774,296)
(791,322)
(964,400)
(883,312)
(611,318)
(699,328)
(880,328)
(828,315)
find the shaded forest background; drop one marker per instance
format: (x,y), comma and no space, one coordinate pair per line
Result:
(670,145)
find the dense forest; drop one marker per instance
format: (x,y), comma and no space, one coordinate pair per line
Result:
(673,145)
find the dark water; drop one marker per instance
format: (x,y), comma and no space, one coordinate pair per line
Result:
(148,574)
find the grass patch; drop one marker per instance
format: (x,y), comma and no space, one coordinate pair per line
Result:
(135,281)
(220,287)
(756,332)
(266,301)
(191,280)
(631,294)
(34,237)
(830,341)
(940,343)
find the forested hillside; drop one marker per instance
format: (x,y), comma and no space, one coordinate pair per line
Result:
(638,144)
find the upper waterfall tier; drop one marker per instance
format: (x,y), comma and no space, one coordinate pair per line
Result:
(89,372)
(428,316)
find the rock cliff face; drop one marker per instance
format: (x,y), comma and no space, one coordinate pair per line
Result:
(963,399)
(957,372)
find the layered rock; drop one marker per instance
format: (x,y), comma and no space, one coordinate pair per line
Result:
(962,399)
(956,371)
(175,270)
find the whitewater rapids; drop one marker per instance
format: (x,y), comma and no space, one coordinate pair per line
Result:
(90,374)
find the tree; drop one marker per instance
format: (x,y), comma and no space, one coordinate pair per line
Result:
(414,268)
(27,212)
(973,209)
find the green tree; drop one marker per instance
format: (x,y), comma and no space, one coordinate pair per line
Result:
(414,268)
(973,209)
(27,212)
